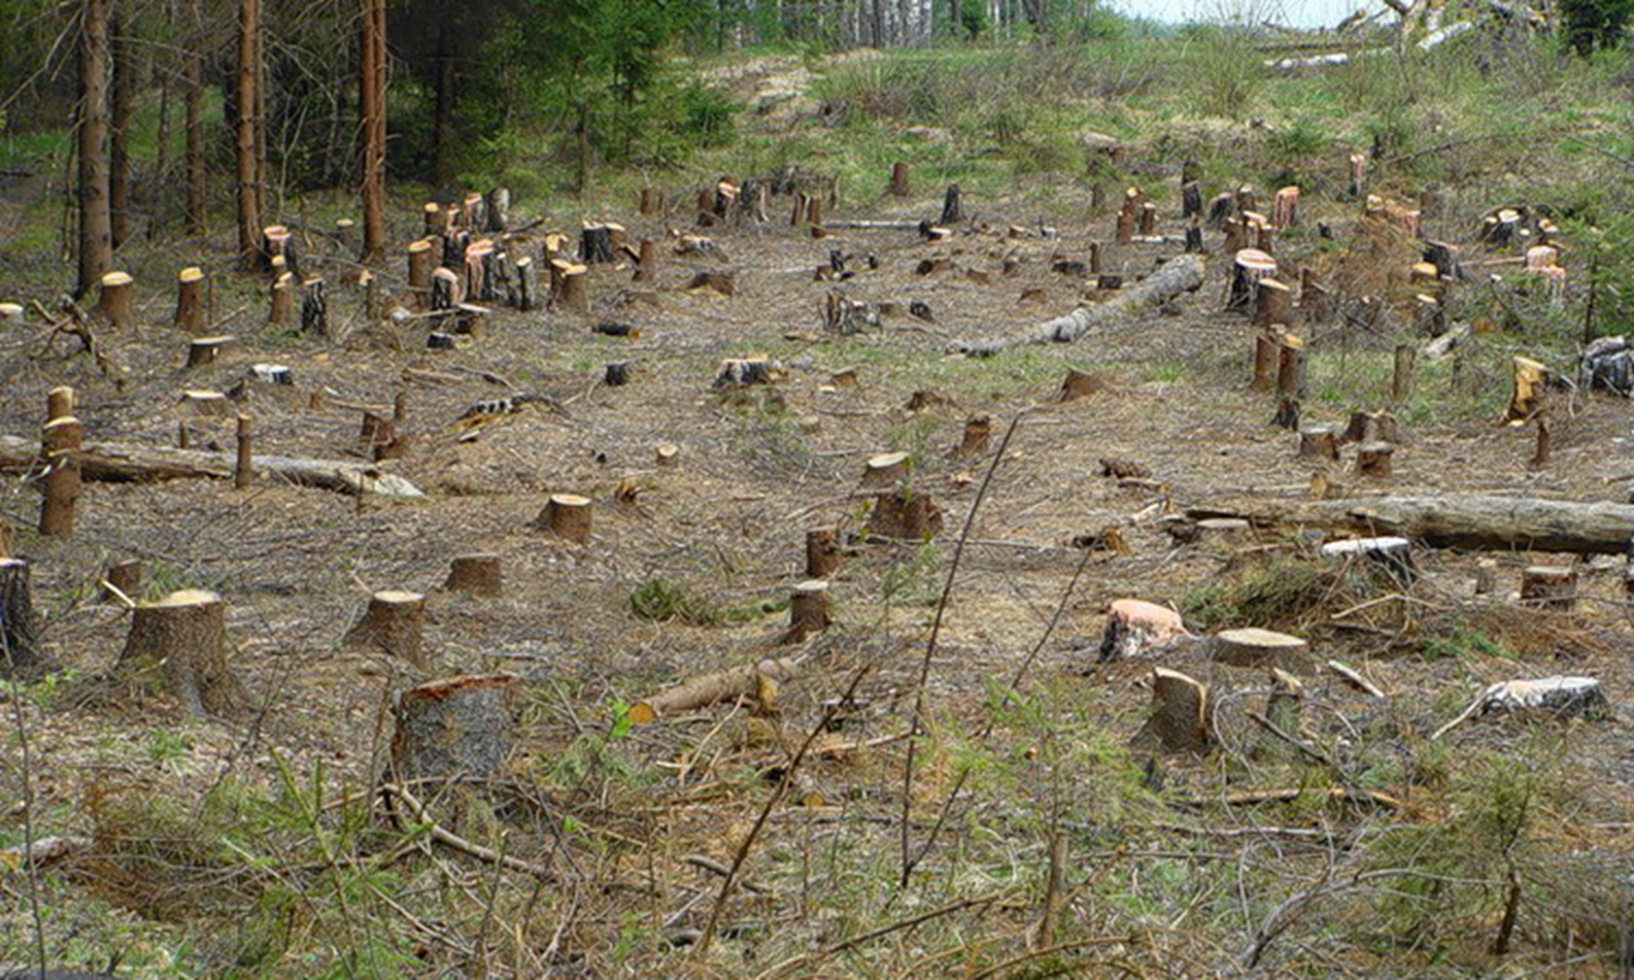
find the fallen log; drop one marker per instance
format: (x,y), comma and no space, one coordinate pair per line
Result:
(747,681)
(1454,521)
(123,463)
(1183,273)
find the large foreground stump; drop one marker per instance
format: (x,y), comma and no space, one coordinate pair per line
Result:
(182,639)
(20,655)
(393,622)
(455,727)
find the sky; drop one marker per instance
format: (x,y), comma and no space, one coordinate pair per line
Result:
(1293,13)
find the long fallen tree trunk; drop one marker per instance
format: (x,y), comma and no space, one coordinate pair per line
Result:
(123,463)
(1456,521)
(1180,274)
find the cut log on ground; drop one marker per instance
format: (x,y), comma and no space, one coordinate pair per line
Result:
(1134,626)
(458,727)
(182,640)
(392,623)
(21,657)
(1558,695)
(117,462)
(1453,521)
(1180,274)
(747,681)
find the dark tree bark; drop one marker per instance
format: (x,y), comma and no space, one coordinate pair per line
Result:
(95,233)
(20,656)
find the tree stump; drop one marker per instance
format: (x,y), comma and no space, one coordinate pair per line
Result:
(1372,427)
(393,623)
(1194,238)
(1394,553)
(1081,384)
(568,516)
(478,573)
(21,657)
(1373,459)
(953,210)
(281,300)
(1401,383)
(182,640)
(244,462)
(651,202)
(1248,268)
(1319,442)
(719,280)
(1191,199)
(822,553)
(1287,414)
(190,299)
(1180,713)
(570,286)
(1133,626)
(899,186)
(885,470)
(497,203)
(422,259)
(978,435)
(114,298)
(12,315)
(808,610)
(1261,648)
(202,351)
(59,403)
(905,514)
(814,217)
(1273,304)
(667,454)
(1124,230)
(1549,588)
(59,448)
(457,727)
(596,244)
(1291,366)
(125,576)
(646,267)
(739,372)
(1224,532)
(314,308)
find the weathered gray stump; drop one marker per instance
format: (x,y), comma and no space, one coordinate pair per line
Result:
(20,654)
(455,727)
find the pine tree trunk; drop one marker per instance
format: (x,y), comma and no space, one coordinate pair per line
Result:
(372,100)
(118,135)
(193,113)
(249,192)
(95,233)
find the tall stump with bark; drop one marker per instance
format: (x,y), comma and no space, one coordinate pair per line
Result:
(20,654)
(455,727)
(181,640)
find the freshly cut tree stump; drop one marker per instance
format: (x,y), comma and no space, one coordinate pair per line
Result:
(1372,427)
(1224,531)
(126,576)
(113,302)
(205,403)
(808,610)
(281,296)
(757,681)
(1081,384)
(905,514)
(190,299)
(476,574)
(394,623)
(1180,713)
(1319,442)
(1273,304)
(314,307)
(567,516)
(1134,626)
(978,434)
(244,461)
(21,657)
(457,727)
(182,638)
(1255,647)
(525,295)
(885,470)
(1373,459)
(1248,268)
(1394,553)
(1291,366)
(422,259)
(60,441)
(11,314)
(667,454)
(1548,587)
(202,351)
(822,553)
(59,403)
